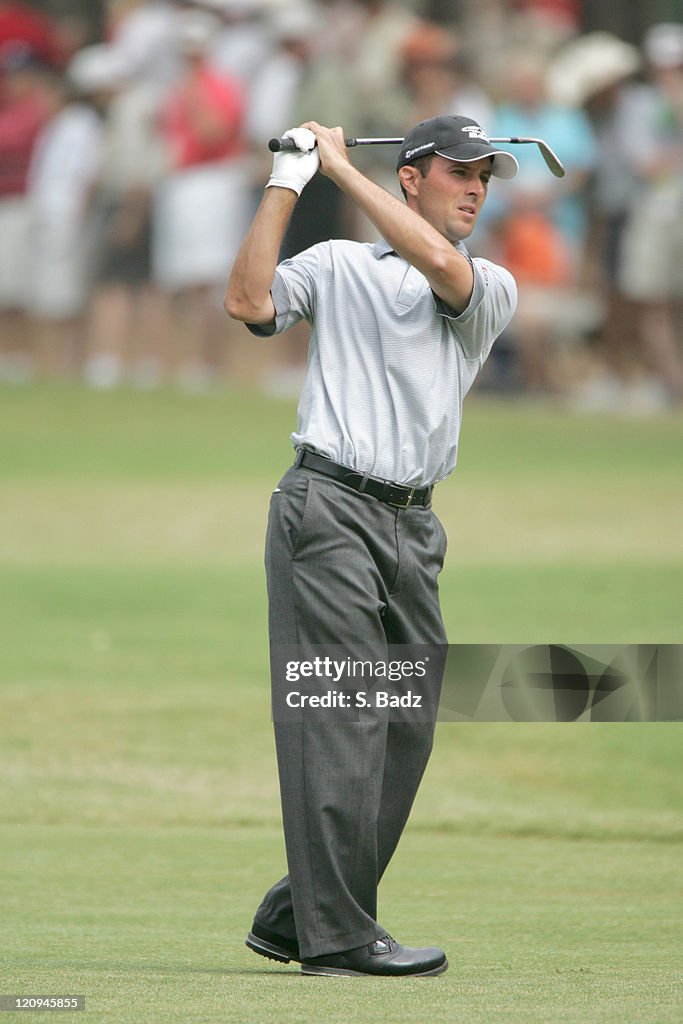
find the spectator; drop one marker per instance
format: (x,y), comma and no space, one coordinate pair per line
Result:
(21,24)
(129,328)
(126,330)
(281,80)
(374,71)
(143,33)
(435,78)
(24,110)
(651,270)
(241,44)
(528,110)
(315,48)
(294,78)
(547,23)
(597,72)
(376,65)
(63,172)
(201,208)
(541,224)
(323,90)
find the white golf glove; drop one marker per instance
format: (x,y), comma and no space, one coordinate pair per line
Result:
(295,170)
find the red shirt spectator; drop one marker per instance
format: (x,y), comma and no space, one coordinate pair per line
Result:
(23,113)
(18,23)
(203,117)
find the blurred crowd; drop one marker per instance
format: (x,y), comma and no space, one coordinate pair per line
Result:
(130,167)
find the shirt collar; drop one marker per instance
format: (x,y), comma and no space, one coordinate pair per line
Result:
(382,248)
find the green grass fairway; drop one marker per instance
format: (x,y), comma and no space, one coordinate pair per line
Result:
(139,815)
(148,923)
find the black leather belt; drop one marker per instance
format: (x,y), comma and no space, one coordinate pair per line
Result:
(398,495)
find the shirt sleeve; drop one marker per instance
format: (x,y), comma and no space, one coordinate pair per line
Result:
(491,307)
(294,291)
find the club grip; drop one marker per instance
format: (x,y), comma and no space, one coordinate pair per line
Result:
(282,146)
(290,146)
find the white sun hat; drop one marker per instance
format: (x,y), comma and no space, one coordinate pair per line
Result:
(589,64)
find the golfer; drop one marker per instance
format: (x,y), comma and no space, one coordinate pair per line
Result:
(400,329)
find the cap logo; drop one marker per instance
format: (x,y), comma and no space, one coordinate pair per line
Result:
(411,152)
(475,132)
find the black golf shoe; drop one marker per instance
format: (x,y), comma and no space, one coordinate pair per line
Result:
(275,947)
(384,958)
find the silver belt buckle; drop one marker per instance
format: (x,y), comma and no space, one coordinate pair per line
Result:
(406,501)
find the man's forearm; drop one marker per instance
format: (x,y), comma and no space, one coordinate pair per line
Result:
(247,296)
(410,235)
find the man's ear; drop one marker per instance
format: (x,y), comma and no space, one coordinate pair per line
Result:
(408,177)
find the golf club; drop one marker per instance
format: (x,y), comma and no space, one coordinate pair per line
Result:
(553,163)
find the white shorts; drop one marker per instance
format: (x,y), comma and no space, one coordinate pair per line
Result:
(60,283)
(200,217)
(651,265)
(15,260)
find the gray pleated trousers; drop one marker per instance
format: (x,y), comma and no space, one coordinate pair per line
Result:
(346,569)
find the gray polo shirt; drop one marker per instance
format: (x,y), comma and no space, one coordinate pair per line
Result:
(389,363)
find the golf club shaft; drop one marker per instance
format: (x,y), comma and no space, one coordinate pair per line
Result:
(552,161)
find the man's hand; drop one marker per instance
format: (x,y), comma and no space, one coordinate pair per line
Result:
(333,152)
(295,170)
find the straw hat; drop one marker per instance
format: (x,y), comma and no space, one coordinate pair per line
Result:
(589,64)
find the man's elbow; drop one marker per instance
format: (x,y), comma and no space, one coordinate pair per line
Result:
(235,309)
(239,304)
(441,266)
(238,307)
(452,279)
(449,269)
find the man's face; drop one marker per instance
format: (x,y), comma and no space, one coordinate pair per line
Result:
(451,195)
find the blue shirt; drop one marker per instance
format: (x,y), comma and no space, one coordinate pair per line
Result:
(569,134)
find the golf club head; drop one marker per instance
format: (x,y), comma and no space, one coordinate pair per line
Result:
(553,162)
